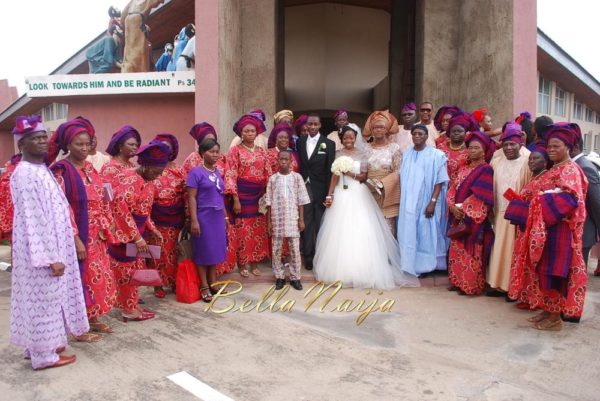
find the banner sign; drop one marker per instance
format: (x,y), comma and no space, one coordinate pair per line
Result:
(109,84)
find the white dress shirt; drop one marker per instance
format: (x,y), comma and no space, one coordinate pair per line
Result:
(311,144)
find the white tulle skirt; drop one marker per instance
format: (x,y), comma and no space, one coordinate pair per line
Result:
(355,244)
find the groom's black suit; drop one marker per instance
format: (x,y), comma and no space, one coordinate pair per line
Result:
(316,172)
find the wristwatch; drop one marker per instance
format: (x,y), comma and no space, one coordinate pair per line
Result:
(434,199)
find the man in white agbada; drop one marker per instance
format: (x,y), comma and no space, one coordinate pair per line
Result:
(47,300)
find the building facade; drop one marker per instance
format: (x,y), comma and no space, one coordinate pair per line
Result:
(567,92)
(319,56)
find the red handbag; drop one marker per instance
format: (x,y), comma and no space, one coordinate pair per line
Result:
(459,230)
(146,277)
(187,282)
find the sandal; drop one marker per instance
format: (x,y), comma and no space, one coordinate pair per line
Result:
(205,294)
(244,272)
(256,271)
(160,293)
(98,327)
(549,325)
(88,338)
(215,290)
(538,318)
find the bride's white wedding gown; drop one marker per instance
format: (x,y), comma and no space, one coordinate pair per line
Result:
(355,244)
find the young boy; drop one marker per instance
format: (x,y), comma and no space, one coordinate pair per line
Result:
(286,194)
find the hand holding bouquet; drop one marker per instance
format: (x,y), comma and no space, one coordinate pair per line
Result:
(341,165)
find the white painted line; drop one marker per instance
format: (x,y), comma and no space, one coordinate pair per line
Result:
(196,387)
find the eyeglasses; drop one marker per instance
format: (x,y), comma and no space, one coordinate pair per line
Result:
(426,110)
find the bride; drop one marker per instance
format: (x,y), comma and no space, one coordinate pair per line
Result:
(354,244)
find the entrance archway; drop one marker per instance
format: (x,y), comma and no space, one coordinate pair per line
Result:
(346,55)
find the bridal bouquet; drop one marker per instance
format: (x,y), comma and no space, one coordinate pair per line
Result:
(341,165)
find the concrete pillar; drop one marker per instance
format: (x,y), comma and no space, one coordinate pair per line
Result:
(476,53)
(235,68)
(259,56)
(525,78)
(207,66)
(402,56)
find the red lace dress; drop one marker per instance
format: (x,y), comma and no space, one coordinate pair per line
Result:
(98,279)
(247,176)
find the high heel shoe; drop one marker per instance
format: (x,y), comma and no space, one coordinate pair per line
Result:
(139,318)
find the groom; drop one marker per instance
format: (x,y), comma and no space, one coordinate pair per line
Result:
(316,154)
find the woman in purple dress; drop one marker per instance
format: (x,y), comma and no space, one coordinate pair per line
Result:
(208,223)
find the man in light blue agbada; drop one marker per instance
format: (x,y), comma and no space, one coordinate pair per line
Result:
(422,221)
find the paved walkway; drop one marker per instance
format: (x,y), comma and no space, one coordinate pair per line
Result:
(432,345)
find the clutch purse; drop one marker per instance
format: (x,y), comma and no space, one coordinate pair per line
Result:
(145,277)
(132,251)
(459,230)
(108,195)
(262,205)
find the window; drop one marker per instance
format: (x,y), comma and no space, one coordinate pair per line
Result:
(595,142)
(544,96)
(589,114)
(597,118)
(578,110)
(586,140)
(55,111)
(48,113)
(559,102)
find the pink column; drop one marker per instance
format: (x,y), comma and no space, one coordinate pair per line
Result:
(524,56)
(207,61)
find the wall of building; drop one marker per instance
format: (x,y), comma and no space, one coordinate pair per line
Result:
(8,94)
(150,115)
(483,57)
(8,146)
(590,127)
(335,55)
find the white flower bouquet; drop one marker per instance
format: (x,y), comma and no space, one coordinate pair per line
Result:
(341,165)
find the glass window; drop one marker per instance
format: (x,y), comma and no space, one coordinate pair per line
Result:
(578,110)
(559,102)
(48,113)
(595,142)
(597,118)
(544,96)
(586,140)
(589,114)
(55,111)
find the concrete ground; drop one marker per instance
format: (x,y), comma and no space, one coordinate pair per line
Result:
(432,345)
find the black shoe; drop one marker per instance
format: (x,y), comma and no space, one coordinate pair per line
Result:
(279,283)
(309,265)
(509,299)
(296,284)
(492,292)
(570,319)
